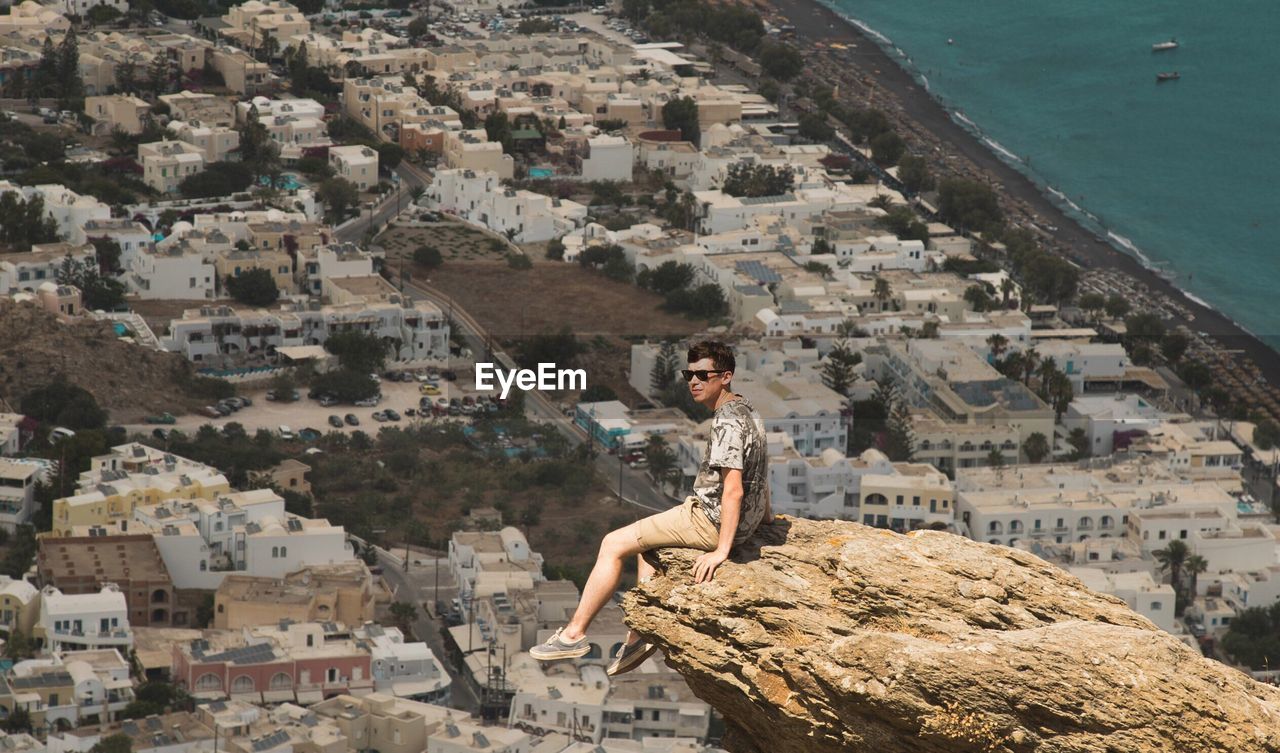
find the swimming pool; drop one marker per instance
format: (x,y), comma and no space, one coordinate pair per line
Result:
(541,172)
(287,182)
(121,329)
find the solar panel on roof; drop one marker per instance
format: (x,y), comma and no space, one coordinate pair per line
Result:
(275,739)
(757,271)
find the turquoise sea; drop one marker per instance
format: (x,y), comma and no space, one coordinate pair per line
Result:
(1184,173)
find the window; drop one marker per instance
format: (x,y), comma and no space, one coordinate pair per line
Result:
(242,684)
(1156,606)
(281,681)
(284,551)
(208,682)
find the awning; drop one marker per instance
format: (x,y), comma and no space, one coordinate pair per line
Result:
(277,696)
(310,696)
(247,697)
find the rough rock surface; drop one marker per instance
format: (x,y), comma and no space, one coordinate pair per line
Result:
(128,380)
(826,636)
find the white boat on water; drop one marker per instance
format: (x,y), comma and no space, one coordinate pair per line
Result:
(1172,44)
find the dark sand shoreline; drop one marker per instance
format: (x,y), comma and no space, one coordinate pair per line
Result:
(816,22)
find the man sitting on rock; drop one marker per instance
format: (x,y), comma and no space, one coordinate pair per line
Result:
(730,498)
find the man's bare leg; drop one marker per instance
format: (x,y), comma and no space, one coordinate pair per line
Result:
(603,581)
(644,571)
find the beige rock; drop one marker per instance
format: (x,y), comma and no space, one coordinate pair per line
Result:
(828,636)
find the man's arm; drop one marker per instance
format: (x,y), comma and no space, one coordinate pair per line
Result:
(730,513)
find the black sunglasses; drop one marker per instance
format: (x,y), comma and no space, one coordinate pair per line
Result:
(702,374)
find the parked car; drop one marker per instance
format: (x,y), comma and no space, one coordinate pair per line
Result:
(351,419)
(368,402)
(327,401)
(335,422)
(60,432)
(285,431)
(411,411)
(163,418)
(449,375)
(379,416)
(429,389)
(391,415)
(272,396)
(209,411)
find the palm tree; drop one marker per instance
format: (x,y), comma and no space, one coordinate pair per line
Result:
(1036,448)
(1006,290)
(1030,359)
(1194,565)
(998,344)
(881,291)
(1173,558)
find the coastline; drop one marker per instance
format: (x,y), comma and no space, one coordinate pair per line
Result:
(920,115)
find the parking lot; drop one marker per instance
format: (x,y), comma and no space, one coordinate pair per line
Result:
(307,413)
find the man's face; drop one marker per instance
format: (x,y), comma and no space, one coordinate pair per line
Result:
(708,391)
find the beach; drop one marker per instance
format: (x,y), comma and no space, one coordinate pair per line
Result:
(867,73)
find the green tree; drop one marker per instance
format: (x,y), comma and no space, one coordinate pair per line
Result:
(914,173)
(339,195)
(1079,442)
(814,127)
(882,292)
(1117,306)
(46,76)
(345,384)
(663,374)
(1172,558)
(404,614)
(1192,568)
(117,743)
(978,298)
(390,155)
(255,287)
(660,460)
(598,393)
(18,646)
(427,256)
(969,205)
(108,252)
(681,114)
(1092,304)
(64,404)
(19,720)
(560,348)
(357,351)
(217,179)
(887,148)
(780,61)
(746,179)
(555,249)
(905,224)
(1036,448)
(70,86)
(838,367)
(1173,346)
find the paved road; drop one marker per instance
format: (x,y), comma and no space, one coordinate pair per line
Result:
(411,177)
(462,696)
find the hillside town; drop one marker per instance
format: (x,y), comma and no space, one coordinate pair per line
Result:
(310,527)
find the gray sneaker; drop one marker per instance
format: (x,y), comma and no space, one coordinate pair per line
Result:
(556,648)
(630,656)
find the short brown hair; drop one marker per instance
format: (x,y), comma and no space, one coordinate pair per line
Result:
(720,354)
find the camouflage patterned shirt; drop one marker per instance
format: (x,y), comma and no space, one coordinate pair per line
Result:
(737,441)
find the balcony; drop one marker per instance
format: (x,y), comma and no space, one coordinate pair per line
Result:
(1061,529)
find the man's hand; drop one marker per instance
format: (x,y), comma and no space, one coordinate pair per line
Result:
(705,566)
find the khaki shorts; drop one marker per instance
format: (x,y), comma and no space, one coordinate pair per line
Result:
(684,526)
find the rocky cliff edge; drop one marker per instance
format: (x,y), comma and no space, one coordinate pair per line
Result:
(831,636)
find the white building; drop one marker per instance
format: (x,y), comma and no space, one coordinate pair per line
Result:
(132,236)
(83,621)
(165,164)
(1084,363)
(489,562)
(17,493)
(607,158)
(358,164)
(176,272)
(215,141)
(244,532)
(68,209)
(1104,418)
(404,670)
(1140,591)
(26,271)
(98,681)
(419,329)
(82,7)
(480,198)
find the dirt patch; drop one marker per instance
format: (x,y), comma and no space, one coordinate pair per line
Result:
(512,303)
(128,380)
(456,241)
